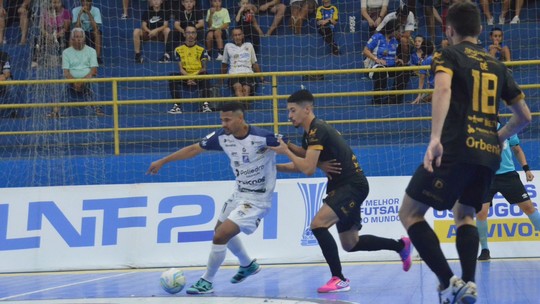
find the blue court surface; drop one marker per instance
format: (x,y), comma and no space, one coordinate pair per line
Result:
(499,281)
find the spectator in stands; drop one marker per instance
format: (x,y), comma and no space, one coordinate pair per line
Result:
(327,18)
(275,7)
(431,15)
(373,11)
(426,76)
(382,48)
(125,9)
(405,20)
(193,60)
(497,48)
(417,55)
(246,20)
(88,17)
(79,61)
(9,13)
(218,20)
(239,58)
(506,6)
(4,89)
(54,31)
(154,26)
(188,15)
(300,10)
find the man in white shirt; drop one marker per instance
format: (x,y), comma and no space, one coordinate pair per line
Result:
(405,19)
(239,58)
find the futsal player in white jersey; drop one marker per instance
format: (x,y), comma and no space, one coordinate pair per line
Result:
(254,166)
(239,58)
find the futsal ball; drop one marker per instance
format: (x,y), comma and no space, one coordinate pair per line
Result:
(173,280)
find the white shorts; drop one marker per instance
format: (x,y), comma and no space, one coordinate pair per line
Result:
(243,213)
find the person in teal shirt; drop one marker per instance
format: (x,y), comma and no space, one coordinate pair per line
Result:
(507,182)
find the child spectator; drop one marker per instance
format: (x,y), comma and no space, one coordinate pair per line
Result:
(417,56)
(497,48)
(275,7)
(239,58)
(427,76)
(373,11)
(246,20)
(188,15)
(88,17)
(125,8)
(54,29)
(218,20)
(193,61)
(505,7)
(327,17)
(154,26)
(300,9)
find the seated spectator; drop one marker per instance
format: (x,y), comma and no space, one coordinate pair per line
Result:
(88,17)
(373,11)
(218,20)
(505,7)
(54,32)
(246,20)
(154,26)
(300,10)
(275,7)
(4,89)
(188,15)
(426,76)
(193,60)
(497,48)
(125,9)
(79,61)
(405,20)
(382,48)
(239,58)
(327,18)
(9,13)
(417,55)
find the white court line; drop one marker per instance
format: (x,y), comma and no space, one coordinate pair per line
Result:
(65,285)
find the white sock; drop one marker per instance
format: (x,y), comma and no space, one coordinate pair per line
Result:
(237,248)
(215,259)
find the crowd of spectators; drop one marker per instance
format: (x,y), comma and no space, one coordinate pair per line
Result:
(391,41)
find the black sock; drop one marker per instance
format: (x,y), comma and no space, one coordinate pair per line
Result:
(467,247)
(371,243)
(427,244)
(330,251)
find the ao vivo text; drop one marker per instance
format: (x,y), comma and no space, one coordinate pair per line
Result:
(111,222)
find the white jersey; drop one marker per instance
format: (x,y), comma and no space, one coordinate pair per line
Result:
(408,27)
(253,164)
(239,58)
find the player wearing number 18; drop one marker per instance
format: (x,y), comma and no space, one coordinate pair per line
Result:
(464,149)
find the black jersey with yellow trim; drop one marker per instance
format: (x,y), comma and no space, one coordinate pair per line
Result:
(479,81)
(323,137)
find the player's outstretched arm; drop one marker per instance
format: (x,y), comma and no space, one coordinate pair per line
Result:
(184,153)
(521,117)
(307,165)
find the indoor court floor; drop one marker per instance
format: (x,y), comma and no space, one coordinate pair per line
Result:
(502,281)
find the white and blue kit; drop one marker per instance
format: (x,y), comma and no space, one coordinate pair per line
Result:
(254,166)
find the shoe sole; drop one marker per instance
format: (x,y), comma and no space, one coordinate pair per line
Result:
(256,271)
(199,292)
(336,290)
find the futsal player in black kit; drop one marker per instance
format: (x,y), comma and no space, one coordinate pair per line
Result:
(464,149)
(346,190)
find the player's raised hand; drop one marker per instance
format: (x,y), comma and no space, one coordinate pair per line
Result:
(434,152)
(154,167)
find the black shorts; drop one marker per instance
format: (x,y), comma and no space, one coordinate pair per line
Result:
(510,186)
(346,202)
(450,182)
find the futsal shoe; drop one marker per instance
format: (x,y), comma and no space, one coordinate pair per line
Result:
(405,253)
(201,287)
(244,272)
(484,255)
(335,285)
(458,292)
